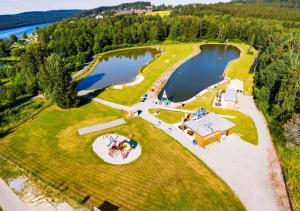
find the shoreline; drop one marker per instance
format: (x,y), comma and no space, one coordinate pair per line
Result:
(156,88)
(202,92)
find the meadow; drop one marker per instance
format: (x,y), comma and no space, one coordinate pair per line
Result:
(50,148)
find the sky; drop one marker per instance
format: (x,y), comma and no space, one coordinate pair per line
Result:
(17,6)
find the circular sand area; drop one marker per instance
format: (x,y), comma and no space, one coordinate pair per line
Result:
(116,149)
(138,79)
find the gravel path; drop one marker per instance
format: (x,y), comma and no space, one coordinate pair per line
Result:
(253,172)
(9,201)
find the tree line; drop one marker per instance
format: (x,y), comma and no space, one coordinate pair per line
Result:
(65,46)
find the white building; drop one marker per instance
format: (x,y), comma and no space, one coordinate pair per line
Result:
(230,98)
(237,85)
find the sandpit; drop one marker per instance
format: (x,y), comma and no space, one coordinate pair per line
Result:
(116,149)
(138,79)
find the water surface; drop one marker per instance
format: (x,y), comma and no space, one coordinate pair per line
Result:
(199,72)
(116,68)
(4,34)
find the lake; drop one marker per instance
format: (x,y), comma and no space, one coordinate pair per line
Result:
(4,34)
(116,68)
(200,72)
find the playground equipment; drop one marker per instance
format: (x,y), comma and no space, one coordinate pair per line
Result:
(123,147)
(200,113)
(112,140)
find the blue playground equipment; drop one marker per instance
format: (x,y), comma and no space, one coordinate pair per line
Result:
(200,113)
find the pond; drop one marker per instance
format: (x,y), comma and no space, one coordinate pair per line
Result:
(4,34)
(200,72)
(118,67)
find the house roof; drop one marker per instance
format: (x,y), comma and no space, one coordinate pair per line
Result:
(209,124)
(236,84)
(230,95)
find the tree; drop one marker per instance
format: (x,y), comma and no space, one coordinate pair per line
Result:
(56,82)
(286,99)
(24,36)
(13,38)
(4,49)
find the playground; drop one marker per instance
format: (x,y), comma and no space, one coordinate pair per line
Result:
(116,149)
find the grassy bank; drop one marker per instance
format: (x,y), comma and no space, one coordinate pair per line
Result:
(289,156)
(239,68)
(168,116)
(245,125)
(13,117)
(166,176)
(131,94)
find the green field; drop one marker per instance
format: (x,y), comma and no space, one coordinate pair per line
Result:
(13,117)
(171,117)
(239,68)
(131,94)
(160,13)
(166,176)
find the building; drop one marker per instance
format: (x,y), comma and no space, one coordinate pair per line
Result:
(210,128)
(230,98)
(237,85)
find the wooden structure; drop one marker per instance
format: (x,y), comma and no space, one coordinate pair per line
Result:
(210,128)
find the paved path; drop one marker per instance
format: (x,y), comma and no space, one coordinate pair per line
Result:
(104,102)
(103,126)
(9,201)
(252,171)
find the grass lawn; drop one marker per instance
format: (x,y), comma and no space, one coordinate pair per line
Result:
(289,156)
(168,116)
(10,58)
(12,117)
(160,13)
(245,125)
(166,176)
(131,94)
(239,68)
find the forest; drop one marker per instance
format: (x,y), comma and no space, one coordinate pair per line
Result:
(75,42)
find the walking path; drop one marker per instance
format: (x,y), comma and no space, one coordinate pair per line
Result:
(28,100)
(104,102)
(253,172)
(106,125)
(9,201)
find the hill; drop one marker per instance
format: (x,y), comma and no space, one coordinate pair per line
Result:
(32,18)
(111,9)
(289,3)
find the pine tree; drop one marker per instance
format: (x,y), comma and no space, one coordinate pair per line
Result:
(56,83)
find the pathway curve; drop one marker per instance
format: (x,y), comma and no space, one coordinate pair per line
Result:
(253,172)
